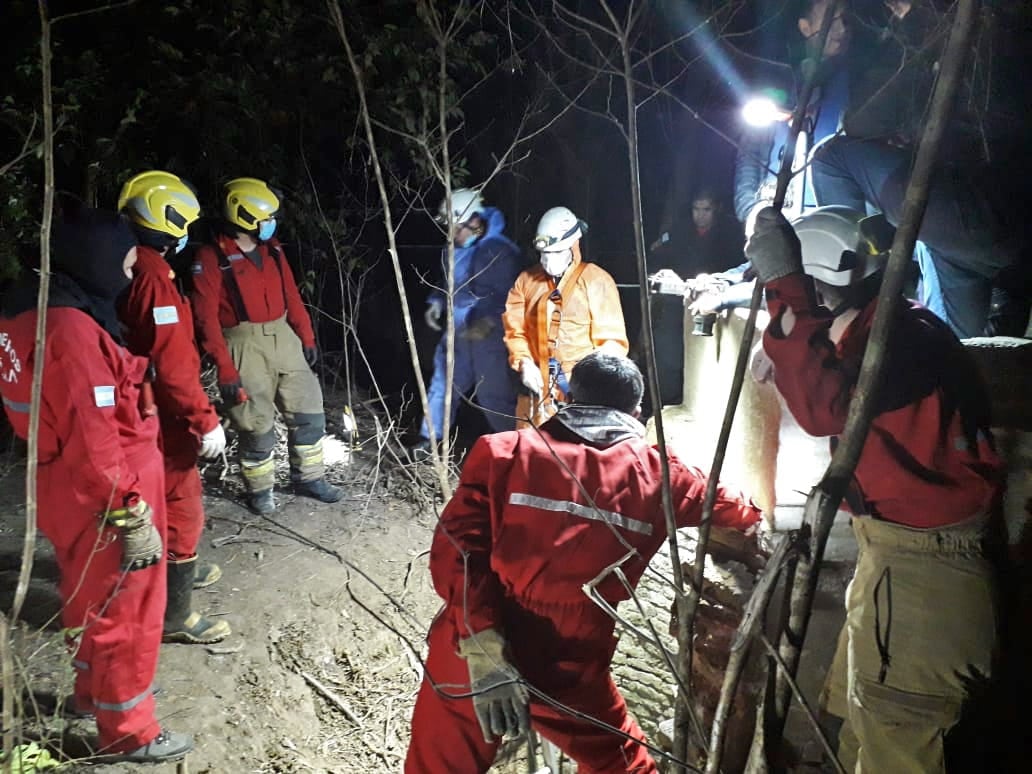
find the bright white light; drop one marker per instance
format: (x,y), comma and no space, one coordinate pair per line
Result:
(761,111)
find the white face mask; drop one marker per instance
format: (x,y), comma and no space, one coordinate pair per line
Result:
(556,263)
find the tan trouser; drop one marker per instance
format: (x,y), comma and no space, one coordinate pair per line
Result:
(274,374)
(920,633)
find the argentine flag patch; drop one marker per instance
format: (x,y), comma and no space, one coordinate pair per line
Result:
(104,396)
(166,315)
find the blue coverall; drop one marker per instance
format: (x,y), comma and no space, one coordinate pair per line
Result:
(484,272)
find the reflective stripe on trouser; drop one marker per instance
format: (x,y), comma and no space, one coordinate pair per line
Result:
(446,736)
(919,638)
(183,491)
(306,462)
(259,475)
(120,613)
(275,375)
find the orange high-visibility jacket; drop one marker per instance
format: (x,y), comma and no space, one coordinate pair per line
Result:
(589,316)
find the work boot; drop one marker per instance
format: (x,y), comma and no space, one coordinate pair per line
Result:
(319,490)
(1008,314)
(262,502)
(420,451)
(166,746)
(182,623)
(207,573)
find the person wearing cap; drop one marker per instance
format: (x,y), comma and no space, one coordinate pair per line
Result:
(159,326)
(924,495)
(101,480)
(556,313)
(486,264)
(252,322)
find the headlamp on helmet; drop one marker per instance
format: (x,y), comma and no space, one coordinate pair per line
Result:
(557,230)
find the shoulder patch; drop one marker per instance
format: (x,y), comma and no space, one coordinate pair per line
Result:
(104,396)
(166,315)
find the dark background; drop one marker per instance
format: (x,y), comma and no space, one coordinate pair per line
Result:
(215,90)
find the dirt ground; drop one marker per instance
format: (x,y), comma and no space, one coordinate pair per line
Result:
(317,676)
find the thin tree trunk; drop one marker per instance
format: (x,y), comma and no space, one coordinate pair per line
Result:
(335,13)
(825,498)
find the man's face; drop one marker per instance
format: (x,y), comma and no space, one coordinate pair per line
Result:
(703,212)
(837,42)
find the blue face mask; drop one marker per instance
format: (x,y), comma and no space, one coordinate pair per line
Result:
(182,243)
(470,240)
(266,229)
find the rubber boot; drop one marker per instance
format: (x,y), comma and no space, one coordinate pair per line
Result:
(319,490)
(207,573)
(166,746)
(260,477)
(182,623)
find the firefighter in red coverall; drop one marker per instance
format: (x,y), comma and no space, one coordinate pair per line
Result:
(921,612)
(159,326)
(512,551)
(100,482)
(254,325)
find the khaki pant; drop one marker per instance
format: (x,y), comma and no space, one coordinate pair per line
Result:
(919,638)
(275,375)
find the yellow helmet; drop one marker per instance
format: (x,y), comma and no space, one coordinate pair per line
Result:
(160,202)
(248,201)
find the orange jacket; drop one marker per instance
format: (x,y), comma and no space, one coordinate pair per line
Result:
(591,316)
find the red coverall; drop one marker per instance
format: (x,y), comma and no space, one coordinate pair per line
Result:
(266,294)
(921,610)
(94,449)
(160,327)
(915,470)
(531,542)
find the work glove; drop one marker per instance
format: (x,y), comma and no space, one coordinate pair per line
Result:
(230,392)
(213,442)
(500,699)
(311,355)
(530,375)
(774,249)
(761,366)
(432,315)
(478,331)
(141,542)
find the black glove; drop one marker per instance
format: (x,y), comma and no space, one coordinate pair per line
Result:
(230,392)
(774,248)
(311,355)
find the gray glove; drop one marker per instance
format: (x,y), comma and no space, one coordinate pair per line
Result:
(774,247)
(500,699)
(142,545)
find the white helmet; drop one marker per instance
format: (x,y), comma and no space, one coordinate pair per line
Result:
(465,202)
(842,246)
(557,230)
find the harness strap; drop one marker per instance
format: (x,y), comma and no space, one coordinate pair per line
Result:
(229,279)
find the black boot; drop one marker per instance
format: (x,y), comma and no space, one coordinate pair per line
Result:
(319,490)
(262,502)
(182,623)
(206,574)
(1008,314)
(420,451)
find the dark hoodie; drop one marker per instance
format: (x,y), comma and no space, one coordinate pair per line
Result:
(88,248)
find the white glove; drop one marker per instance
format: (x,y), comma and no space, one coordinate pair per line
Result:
(432,315)
(531,376)
(762,367)
(213,442)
